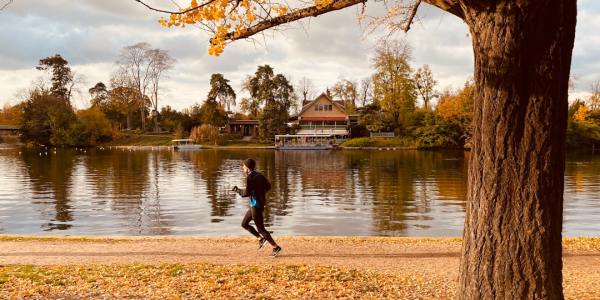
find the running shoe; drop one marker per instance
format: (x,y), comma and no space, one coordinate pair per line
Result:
(276,251)
(261,242)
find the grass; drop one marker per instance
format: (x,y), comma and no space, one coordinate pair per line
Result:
(131,139)
(210,281)
(380,142)
(239,144)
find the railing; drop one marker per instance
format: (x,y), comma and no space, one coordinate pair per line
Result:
(323,126)
(382,134)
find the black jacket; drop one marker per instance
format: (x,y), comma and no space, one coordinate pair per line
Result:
(257,185)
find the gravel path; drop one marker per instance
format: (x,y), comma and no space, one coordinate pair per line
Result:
(430,257)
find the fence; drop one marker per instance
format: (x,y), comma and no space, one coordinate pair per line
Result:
(382,134)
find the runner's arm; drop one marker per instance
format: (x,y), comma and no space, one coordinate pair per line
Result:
(248,190)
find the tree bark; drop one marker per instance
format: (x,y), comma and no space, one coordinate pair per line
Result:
(512,235)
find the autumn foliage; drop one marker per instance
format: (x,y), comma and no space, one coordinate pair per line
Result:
(223,16)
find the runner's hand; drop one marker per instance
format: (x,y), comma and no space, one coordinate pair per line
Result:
(235,188)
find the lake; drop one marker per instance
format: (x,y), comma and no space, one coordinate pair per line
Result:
(346,192)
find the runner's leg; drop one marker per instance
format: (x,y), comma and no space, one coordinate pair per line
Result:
(257,216)
(246,223)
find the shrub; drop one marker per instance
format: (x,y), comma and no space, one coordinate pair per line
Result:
(437,136)
(205,133)
(92,127)
(380,142)
(358,131)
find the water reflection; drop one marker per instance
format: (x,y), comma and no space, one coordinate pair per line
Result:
(50,178)
(122,192)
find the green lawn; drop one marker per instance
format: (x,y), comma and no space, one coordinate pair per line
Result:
(142,140)
(380,142)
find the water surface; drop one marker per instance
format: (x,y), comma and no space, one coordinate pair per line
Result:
(378,193)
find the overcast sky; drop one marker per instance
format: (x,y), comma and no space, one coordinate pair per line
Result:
(90,35)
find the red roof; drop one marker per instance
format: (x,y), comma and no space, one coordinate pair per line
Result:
(323,118)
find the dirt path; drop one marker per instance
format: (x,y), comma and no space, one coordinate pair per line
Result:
(437,258)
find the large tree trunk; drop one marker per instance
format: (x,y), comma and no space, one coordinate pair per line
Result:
(512,235)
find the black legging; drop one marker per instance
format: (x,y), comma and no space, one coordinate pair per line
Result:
(256,214)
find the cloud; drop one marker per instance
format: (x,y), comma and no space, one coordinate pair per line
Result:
(90,35)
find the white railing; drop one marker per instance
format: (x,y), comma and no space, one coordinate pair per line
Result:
(323,126)
(382,134)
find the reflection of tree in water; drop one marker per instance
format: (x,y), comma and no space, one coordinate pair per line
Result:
(278,199)
(52,173)
(581,173)
(219,170)
(401,185)
(451,180)
(208,164)
(322,171)
(129,175)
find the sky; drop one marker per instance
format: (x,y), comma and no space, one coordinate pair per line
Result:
(90,34)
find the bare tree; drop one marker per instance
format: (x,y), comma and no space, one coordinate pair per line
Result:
(75,85)
(594,99)
(425,84)
(135,63)
(305,89)
(159,63)
(366,91)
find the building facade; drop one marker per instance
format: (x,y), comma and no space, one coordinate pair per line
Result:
(323,115)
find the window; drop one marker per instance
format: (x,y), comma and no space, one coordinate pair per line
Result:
(323,107)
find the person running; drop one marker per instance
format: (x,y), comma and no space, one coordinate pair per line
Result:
(257,186)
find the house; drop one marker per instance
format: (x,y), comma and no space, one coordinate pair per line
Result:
(245,128)
(323,123)
(323,115)
(9,129)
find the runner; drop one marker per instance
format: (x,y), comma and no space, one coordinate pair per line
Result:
(257,186)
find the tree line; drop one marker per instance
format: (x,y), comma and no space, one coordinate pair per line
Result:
(396,97)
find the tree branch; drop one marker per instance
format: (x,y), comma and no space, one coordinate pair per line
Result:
(6,4)
(451,6)
(181,12)
(295,15)
(411,16)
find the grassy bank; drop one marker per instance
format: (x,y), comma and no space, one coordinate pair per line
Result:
(141,140)
(165,140)
(400,142)
(238,144)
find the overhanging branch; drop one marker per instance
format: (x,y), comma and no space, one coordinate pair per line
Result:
(411,16)
(451,6)
(312,11)
(181,12)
